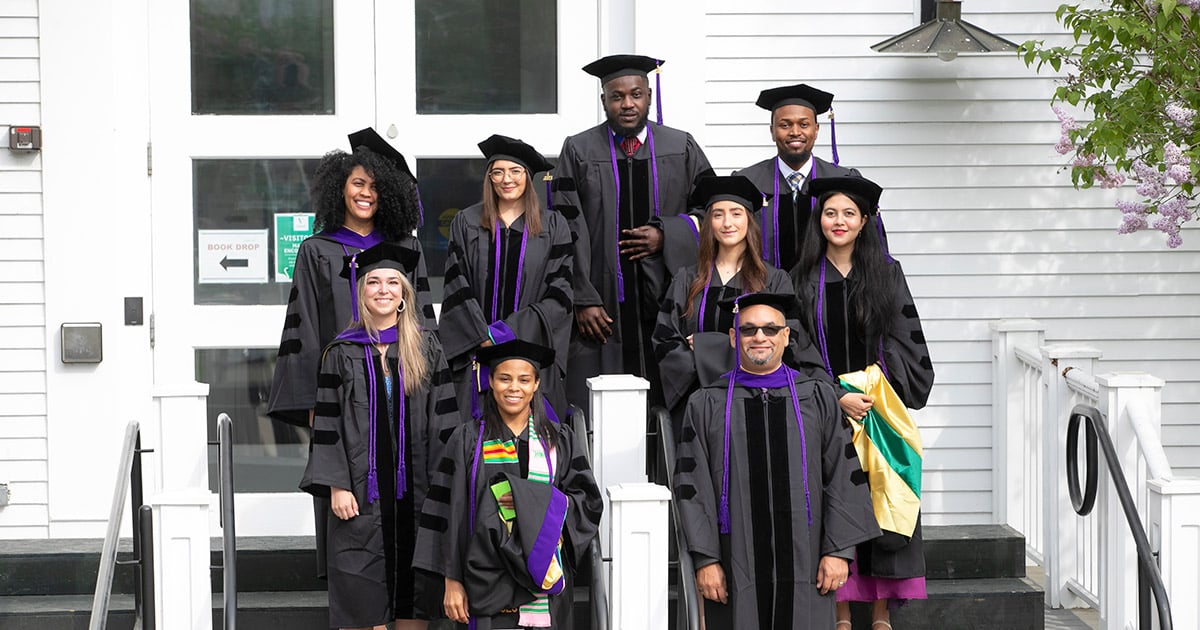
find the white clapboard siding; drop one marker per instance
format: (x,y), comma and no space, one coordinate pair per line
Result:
(978,208)
(23,456)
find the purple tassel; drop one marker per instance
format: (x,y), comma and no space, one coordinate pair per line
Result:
(476,410)
(882,235)
(372,486)
(658,89)
(833,137)
(723,508)
(549,199)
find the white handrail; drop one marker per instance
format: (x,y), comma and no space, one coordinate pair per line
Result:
(1029,356)
(1082,383)
(1149,441)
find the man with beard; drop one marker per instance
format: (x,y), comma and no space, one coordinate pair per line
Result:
(784,177)
(771,494)
(623,187)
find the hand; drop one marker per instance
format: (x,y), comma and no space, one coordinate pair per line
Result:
(344,505)
(710,581)
(455,601)
(856,405)
(312,413)
(641,242)
(832,573)
(486,343)
(690,344)
(505,501)
(593,322)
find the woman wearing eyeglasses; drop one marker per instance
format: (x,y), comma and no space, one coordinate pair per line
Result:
(858,308)
(508,274)
(691,335)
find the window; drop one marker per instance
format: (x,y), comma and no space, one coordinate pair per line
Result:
(262,56)
(486,56)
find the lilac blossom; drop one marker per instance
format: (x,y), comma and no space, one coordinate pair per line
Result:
(1182,116)
(1180,173)
(1111,178)
(1172,153)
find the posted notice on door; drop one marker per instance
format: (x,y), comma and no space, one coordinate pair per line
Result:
(232,256)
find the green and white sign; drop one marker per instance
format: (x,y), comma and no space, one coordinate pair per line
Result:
(290,230)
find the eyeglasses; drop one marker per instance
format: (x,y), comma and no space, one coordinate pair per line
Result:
(769,330)
(497,174)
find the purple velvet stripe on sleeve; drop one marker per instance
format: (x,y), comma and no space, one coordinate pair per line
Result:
(545,545)
(688,219)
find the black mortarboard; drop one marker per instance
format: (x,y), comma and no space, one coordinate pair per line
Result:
(817,100)
(537,355)
(861,186)
(371,139)
(737,188)
(382,256)
(785,303)
(608,68)
(498,147)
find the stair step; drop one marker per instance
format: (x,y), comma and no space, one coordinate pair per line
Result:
(978,604)
(293,610)
(973,552)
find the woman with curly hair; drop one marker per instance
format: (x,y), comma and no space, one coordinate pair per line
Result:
(508,273)
(385,408)
(858,308)
(361,199)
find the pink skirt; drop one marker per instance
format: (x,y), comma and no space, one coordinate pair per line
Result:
(866,588)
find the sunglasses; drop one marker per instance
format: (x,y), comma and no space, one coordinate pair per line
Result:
(769,330)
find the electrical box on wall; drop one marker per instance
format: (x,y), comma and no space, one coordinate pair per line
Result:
(24,138)
(82,342)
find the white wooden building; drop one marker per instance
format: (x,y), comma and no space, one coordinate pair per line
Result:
(977,205)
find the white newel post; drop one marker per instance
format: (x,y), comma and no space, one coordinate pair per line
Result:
(1174,518)
(618,416)
(638,577)
(1060,521)
(180,500)
(1008,426)
(1118,554)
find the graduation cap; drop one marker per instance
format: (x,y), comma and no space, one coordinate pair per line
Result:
(785,303)
(537,355)
(859,186)
(498,147)
(736,188)
(819,101)
(374,142)
(608,68)
(800,94)
(382,256)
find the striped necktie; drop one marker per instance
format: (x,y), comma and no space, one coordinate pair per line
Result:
(795,180)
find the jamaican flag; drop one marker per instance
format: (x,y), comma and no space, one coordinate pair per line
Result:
(889,447)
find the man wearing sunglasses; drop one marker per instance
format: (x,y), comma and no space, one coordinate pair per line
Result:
(771,495)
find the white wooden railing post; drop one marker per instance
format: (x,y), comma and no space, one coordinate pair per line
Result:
(1174,518)
(1008,439)
(638,575)
(618,417)
(1060,523)
(180,501)
(1118,554)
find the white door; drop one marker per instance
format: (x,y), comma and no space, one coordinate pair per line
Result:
(247,95)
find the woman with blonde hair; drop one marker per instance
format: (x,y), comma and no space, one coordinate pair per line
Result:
(385,408)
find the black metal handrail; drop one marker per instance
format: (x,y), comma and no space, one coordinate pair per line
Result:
(129,477)
(599,595)
(229,533)
(1083,501)
(688,605)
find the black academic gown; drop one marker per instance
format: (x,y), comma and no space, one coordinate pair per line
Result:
(685,369)
(543,314)
(909,371)
(792,221)
(447,544)
(771,554)
(319,307)
(585,194)
(371,580)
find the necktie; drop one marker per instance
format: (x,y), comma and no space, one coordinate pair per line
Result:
(795,180)
(630,145)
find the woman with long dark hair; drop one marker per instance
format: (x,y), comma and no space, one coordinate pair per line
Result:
(361,198)
(691,335)
(384,409)
(508,272)
(859,310)
(509,480)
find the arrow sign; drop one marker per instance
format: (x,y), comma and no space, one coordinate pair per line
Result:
(231,256)
(228,262)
